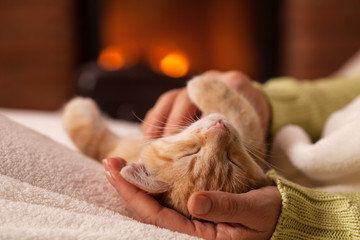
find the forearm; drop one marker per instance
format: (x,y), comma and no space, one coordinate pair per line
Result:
(308,104)
(312,214)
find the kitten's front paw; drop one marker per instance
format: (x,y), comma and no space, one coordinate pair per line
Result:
(206,92)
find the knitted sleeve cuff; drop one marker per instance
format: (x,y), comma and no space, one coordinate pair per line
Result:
(308,103)
(312,214)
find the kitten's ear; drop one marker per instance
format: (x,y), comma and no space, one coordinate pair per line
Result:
(137,174)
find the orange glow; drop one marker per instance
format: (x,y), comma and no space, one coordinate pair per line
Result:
(111,59)
(175,64)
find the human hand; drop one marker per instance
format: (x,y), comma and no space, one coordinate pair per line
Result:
(251,215)
(174,108)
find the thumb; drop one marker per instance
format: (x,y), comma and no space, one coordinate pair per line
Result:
(257,209)
(218,206)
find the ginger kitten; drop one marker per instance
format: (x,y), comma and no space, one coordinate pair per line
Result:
(221,152)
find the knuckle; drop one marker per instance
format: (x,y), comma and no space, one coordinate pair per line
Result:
(232,208)
(183,93)
(211,72)
(234,211)
(230,81)
(225,233)
(234,74)
(169,94)
(237,76)
(147,219)
(153,219)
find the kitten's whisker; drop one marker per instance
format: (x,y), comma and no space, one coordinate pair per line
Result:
(137,117)
(163,125)
(174,127)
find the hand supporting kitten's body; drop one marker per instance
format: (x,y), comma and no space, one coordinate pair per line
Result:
(221,152)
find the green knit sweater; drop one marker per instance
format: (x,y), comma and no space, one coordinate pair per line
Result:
(307,213)
(308,103)
(312,214)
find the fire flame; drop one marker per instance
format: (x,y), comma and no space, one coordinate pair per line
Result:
(111,59)
(175,64)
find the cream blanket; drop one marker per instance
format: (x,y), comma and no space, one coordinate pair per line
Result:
(48,191)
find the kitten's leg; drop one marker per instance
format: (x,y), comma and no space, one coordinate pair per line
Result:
(334,156)
(214,96)
(83,122)
(285,151)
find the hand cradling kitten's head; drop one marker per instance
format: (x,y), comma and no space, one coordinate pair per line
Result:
(207,155)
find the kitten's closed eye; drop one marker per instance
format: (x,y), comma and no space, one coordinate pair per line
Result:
(231,160)
(188,154)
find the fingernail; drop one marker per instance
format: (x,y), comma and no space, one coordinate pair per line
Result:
(109,177)
(105,163)
(200,205)
(114,174)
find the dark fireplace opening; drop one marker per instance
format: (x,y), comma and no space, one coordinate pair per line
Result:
(133,51)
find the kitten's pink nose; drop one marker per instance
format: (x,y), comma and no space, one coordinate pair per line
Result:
(219,124)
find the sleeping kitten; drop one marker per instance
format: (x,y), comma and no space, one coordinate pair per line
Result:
(222,151)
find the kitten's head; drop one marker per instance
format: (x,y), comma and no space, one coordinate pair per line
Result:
(207,155)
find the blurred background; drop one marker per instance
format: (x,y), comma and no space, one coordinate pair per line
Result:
(125,53)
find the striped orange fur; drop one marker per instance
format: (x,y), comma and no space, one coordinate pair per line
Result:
(221,152)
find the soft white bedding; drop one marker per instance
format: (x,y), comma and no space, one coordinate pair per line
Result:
(49,124)
(50,191)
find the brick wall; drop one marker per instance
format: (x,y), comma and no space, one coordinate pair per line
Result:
(318,36)
(37,53)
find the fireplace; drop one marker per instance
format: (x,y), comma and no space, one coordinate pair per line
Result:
(130,51)
(135,50)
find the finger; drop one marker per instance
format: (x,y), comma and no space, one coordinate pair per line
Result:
(156,118)
(145,123)
(247,209)
(146,209)
(182,113)
(235,79)
(114,164)
(216,206)
(109,178)
(235,75)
